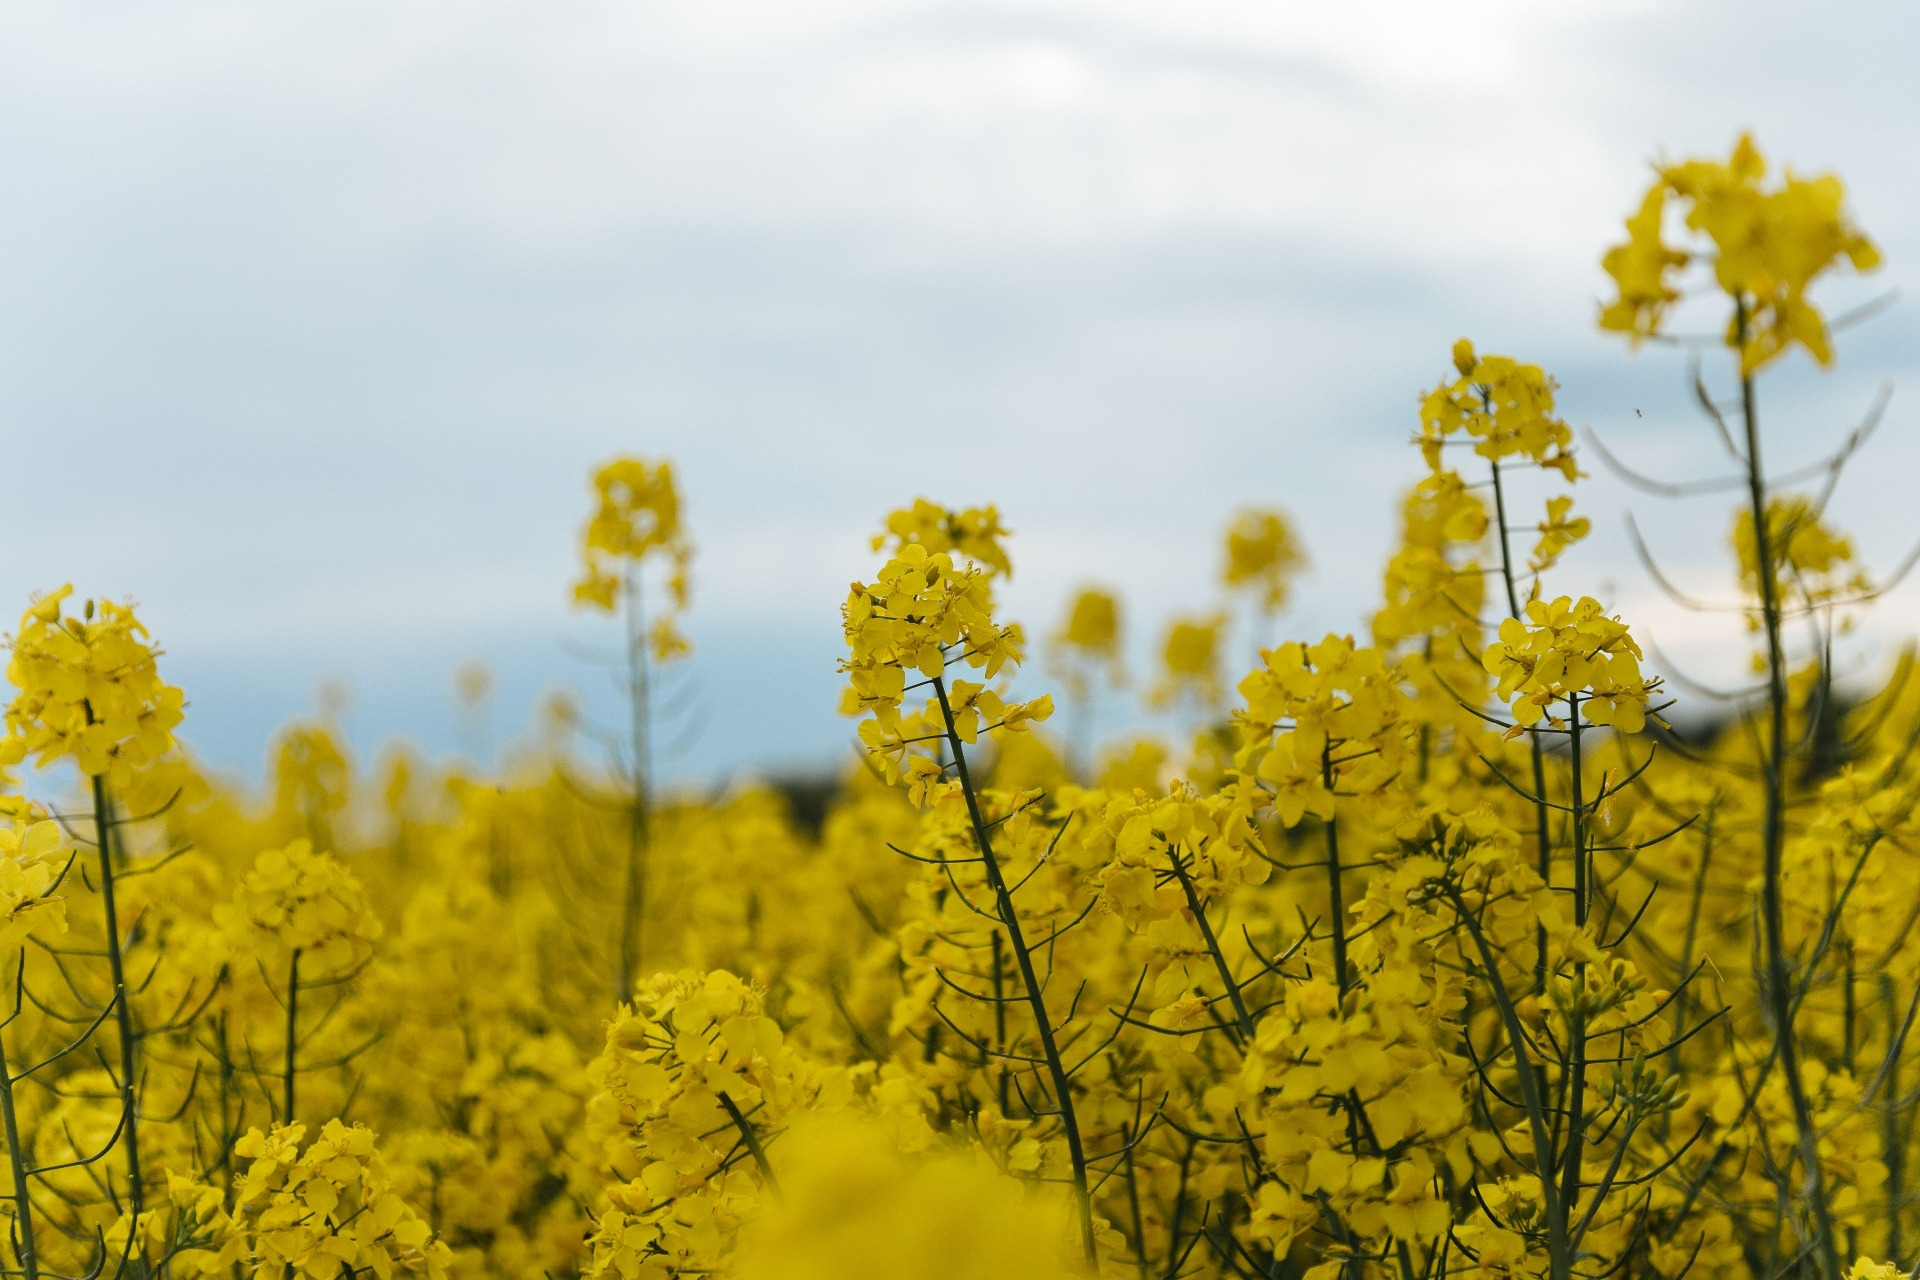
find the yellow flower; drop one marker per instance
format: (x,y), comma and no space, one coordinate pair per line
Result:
(973,534)
(1087,642)
(1319,718)
(329,1209)
(1263,555)
(1505,406)
(29,864)
(1190,662)
(89,691)
(852,1206)
(1565,650)
(1806,552)
(1768,247)
(1640,270)
(919,614)
(636,519)
(1557,533)
(297,900)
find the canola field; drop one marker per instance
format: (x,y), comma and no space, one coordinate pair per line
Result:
(1435,952)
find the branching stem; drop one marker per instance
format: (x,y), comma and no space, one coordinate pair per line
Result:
(1023,959)
(1777,983)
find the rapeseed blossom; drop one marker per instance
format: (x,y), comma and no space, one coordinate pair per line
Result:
(89,691)
(1431,954)
(1570,652)
(1087,645)
(29,872)
(329,1209)
(297,900)
(1767,246)
(1190,657)
(1263,557)
(920,613)
(636,520)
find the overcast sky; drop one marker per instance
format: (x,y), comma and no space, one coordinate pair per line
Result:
(314,318)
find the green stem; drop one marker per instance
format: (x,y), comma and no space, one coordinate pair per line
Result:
(1133,1204)
(24,1250)
(1543,836)
(229,1122)
(1890,1126)
(1559,1259)
(1023,959)
(639,833)
(1000,1021)
(1240,1014)
(752,1141)
(293,1030)
(1778,995)
(1576,1016)
(123,1016)
(1336,906)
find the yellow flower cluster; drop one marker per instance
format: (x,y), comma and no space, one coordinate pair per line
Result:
(973,534)
(1810,559)
(30,868)
(296,900)
(851,1205)
(88,691)
(1263,555)
(696,1080)
(328,1210)
(1320,719)
(636,519)
(1570,652)
(920,613)
(1093,625)
(1504,406)
(1190,663)
(1768,246)
(1087,644)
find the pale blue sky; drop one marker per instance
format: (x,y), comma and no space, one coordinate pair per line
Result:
(314,318)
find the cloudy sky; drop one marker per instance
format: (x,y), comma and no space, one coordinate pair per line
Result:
(314,318)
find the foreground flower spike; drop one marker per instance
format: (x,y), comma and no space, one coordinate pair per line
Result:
(920,614)
(330,1209)
(89,691)
(1767,243)
(1506,408)
(972,533)
(1570,652)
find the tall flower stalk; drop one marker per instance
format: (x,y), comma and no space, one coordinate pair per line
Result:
(636,525)
(1767,245)
(922,613)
